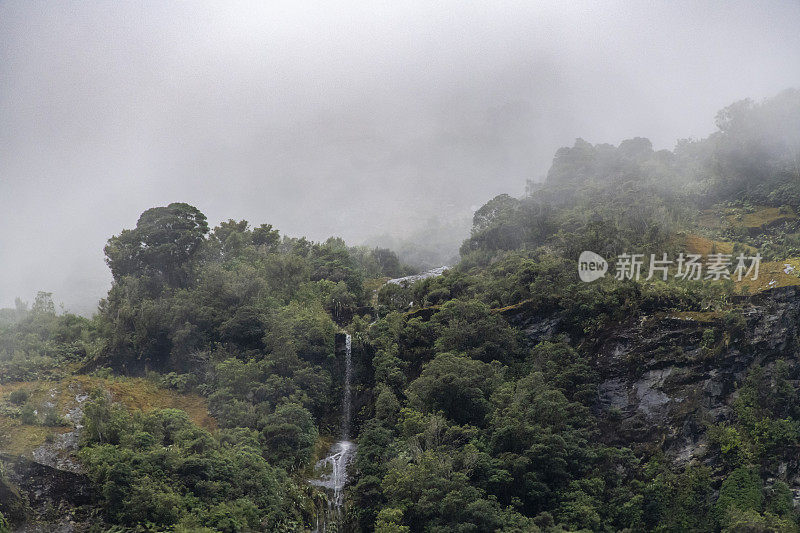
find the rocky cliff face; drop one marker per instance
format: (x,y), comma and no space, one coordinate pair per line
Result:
(45,498)
(666,377)
(12,503)
(48,492)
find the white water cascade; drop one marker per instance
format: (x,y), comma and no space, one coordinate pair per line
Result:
(333,468)
(346,397)
(410,280)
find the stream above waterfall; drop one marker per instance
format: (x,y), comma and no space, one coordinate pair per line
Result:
(408,280)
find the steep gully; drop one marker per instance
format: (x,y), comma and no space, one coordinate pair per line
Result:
(332,469)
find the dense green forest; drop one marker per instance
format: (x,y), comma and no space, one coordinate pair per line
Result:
(485,399)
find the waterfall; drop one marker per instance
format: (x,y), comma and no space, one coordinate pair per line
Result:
(333,468)
(346,398)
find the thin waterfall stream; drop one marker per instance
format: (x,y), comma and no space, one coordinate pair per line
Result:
(333,468)
(346,397)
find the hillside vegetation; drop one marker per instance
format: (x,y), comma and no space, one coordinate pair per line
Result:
(505,395)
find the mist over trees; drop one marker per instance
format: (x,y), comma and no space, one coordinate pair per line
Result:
(612,197)
(478,394)
(333,119)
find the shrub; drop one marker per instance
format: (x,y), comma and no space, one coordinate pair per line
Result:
(19,396)
(28,415)
(290,434)
(741,491)
(52,418)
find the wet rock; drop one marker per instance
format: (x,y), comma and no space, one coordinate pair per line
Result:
(650,398)
(51,496)
(60,453)
(613,394)
(660,387)
(12,503)
(669,389)
(41,495)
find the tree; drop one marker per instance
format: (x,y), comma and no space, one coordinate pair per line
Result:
(290,434)
(43,304)
(388,262)
(742,491)
(469,327)
(231,236)
(493,211)
(265,236)
(164,240)
(389,521)
(456,385)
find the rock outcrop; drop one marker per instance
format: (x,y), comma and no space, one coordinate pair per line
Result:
(44,498)
(662,383)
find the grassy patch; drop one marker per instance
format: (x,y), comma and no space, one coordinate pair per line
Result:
(772,274)
(135,393)
(21,439)
(741,217)
(138,393)
(762,216)
(697,244)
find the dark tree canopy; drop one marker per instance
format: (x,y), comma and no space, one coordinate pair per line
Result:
(164,239)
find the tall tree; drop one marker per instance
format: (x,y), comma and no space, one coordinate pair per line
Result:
(164,240)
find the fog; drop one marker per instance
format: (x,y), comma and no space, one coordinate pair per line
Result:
(356,120)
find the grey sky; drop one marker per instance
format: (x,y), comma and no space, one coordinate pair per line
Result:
(354,119)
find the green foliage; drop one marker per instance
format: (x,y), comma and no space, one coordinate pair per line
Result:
(457,386)
(494,226)
(164,240)
(289,434)
(249,293)
(755,150)
(742,490)
(389,521)
(39,343)
(395,297)
(465,410)
(27,415)
(678,501)
(379,262)
(18,397)
(43,304)
(103,421)
(737,520)
(52,418)
(471,328)
(159,468)
(437,494)
(768,411)
(476,391)
(780,501)
(733,448)
(565,370)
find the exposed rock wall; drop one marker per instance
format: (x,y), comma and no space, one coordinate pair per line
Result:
(660,386)
(47,494)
